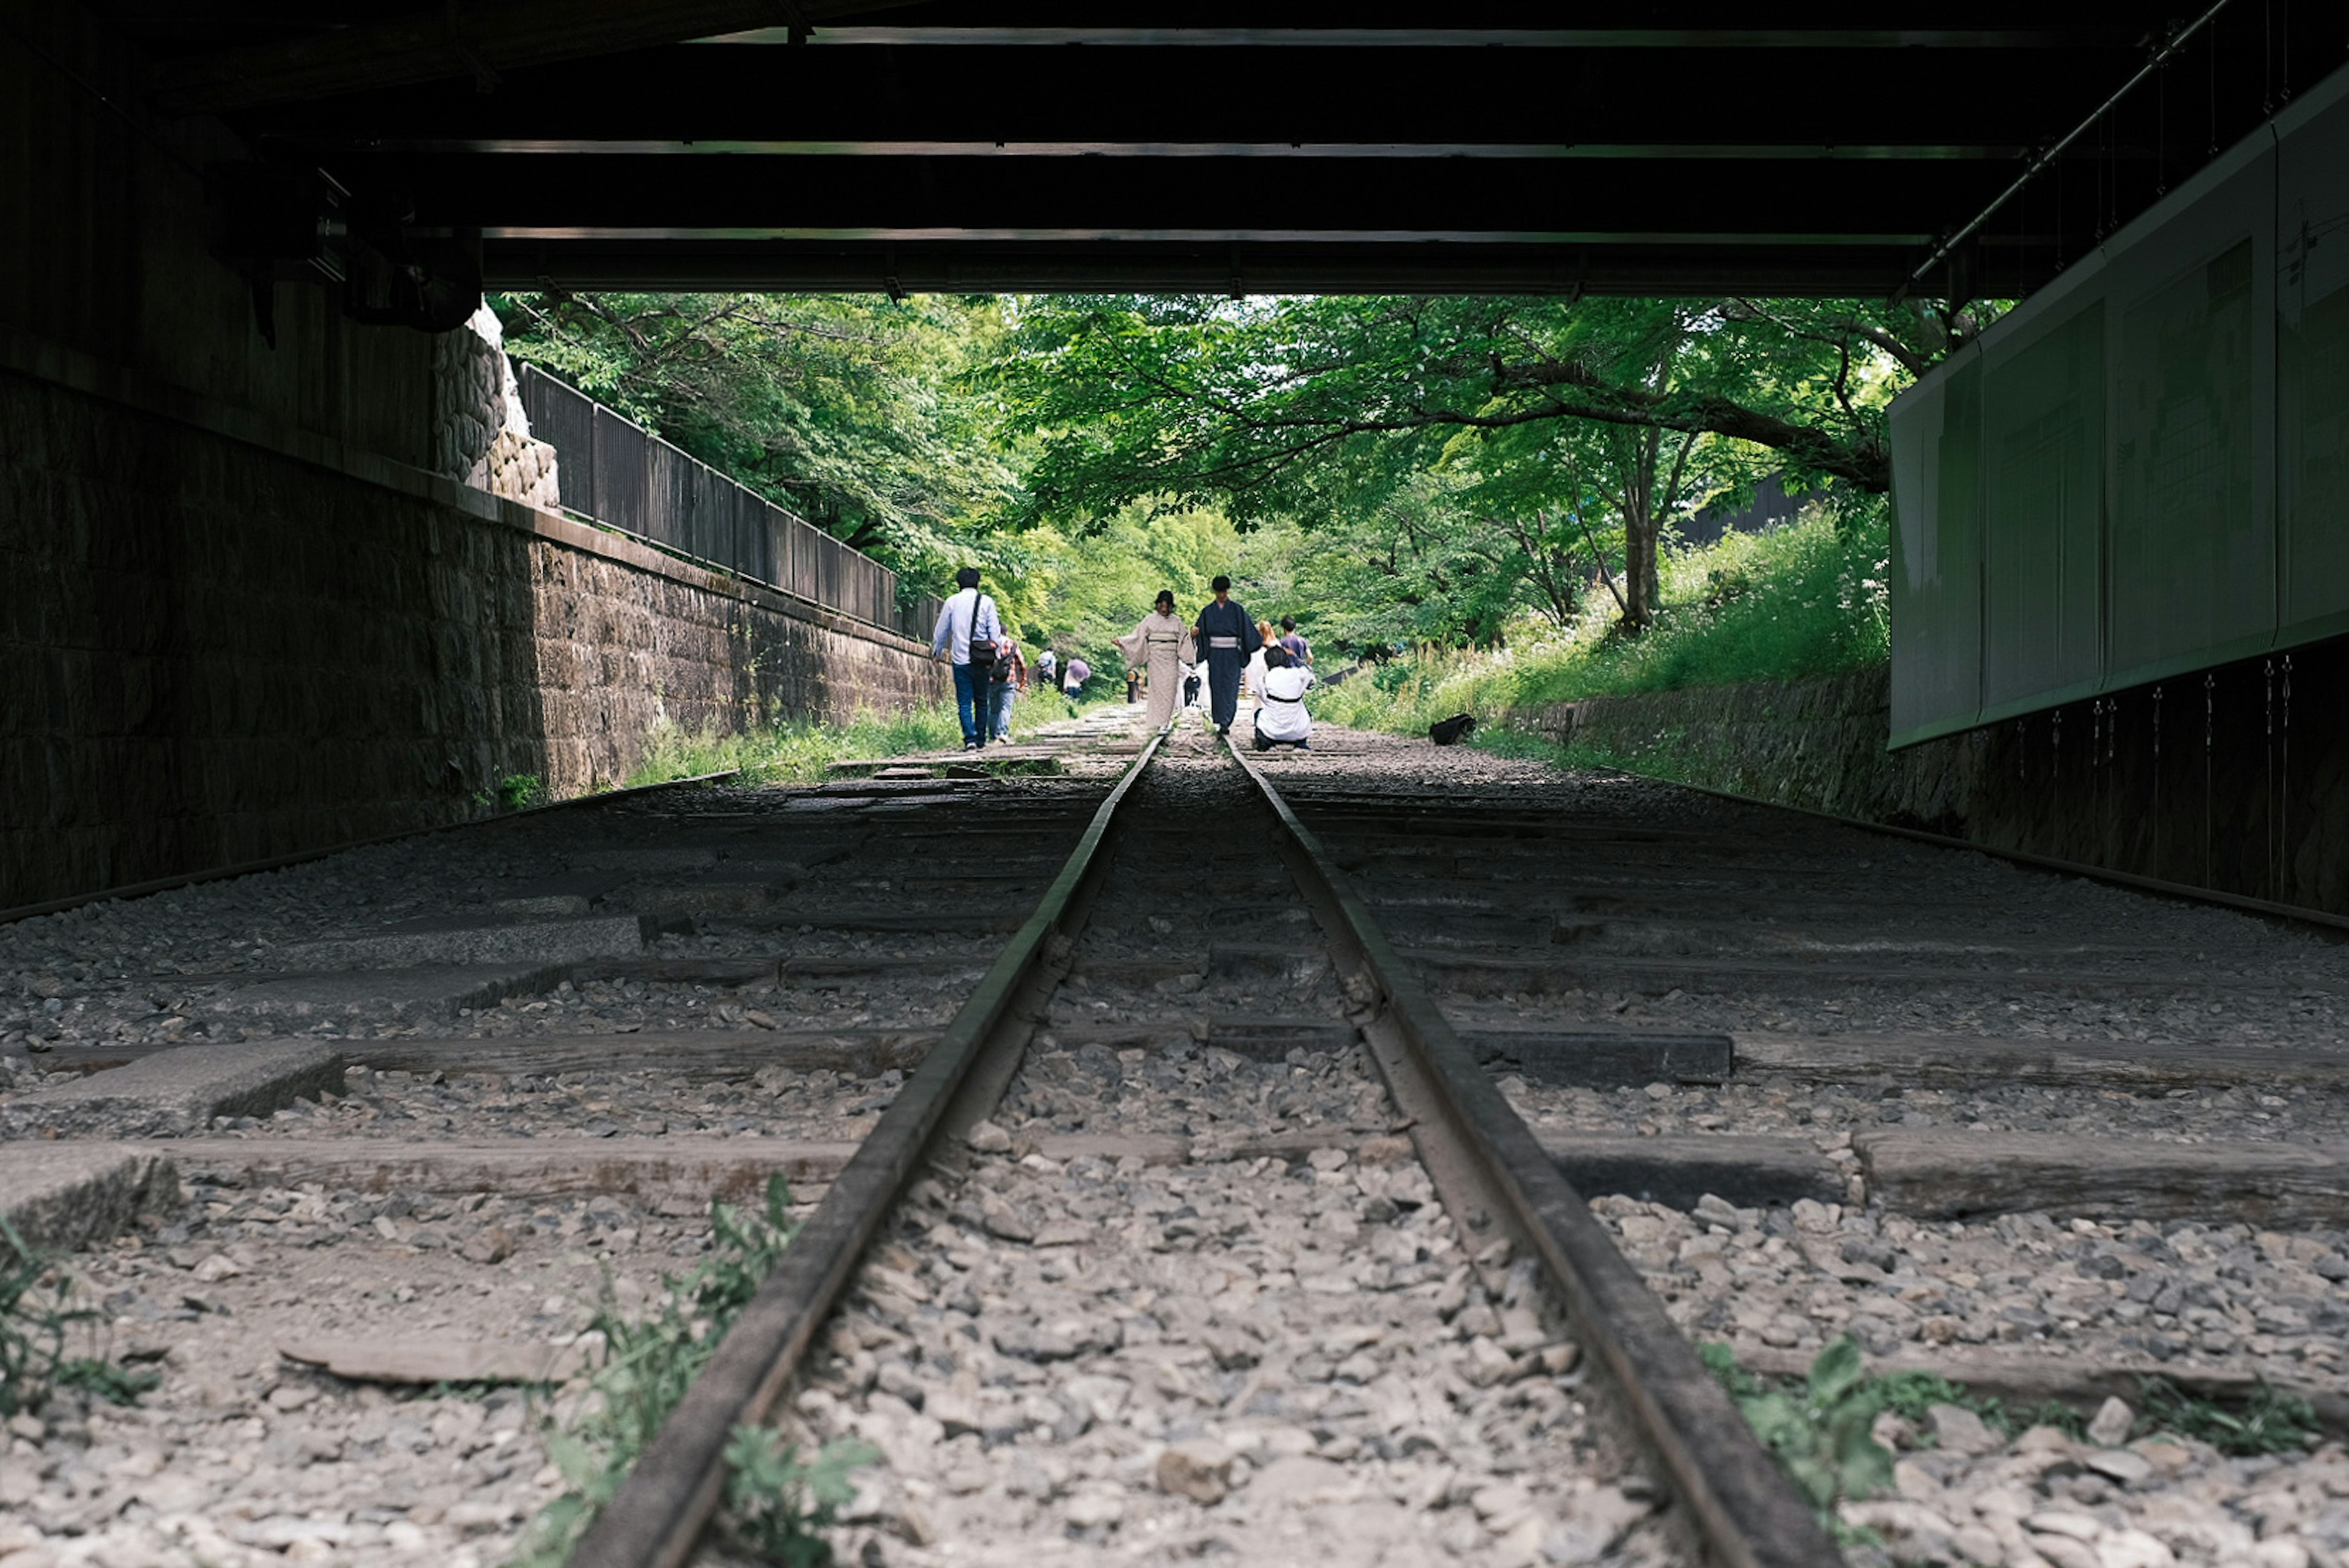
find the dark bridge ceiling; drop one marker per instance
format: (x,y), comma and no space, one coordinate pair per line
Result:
(1824,148)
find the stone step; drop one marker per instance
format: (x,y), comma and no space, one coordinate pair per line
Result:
(432,991)
(462,939)
(179,1091)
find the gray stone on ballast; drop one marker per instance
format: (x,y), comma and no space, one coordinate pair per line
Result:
(433,991)
(177,1091)
(59,1196)
(458,940)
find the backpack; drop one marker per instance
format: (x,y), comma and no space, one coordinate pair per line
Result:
(1449,731)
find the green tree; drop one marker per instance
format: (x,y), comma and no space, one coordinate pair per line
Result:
(857,413)
(1555,412)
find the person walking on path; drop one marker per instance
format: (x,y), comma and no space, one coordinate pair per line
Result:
(1226,637)
(967,633)
(1280,716)
(1006,680)
(1300,650)
(1155,647)
(1048,668)
(1080,673)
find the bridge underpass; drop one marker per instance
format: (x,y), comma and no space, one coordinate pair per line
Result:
(289,621)
(276,571)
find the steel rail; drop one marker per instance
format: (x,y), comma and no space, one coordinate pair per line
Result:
(301,857)
(658,1515)
(1747,1513)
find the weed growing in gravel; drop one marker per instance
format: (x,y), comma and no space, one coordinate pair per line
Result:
(34,1323)
(2271,1421)
(649,1363)
(778,1505)
(1821,1430)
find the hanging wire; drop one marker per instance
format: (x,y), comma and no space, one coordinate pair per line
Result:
(2213,150)
(2283,794)
(2209,726)
(2270,751)
(2103,181)
(2059,214)
(2096,758)
(2267,59)
(2284,88)
(2161,127)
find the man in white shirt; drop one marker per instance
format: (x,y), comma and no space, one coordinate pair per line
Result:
(1280,716)
(967,633)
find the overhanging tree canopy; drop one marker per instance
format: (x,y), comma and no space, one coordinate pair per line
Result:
(1301,407)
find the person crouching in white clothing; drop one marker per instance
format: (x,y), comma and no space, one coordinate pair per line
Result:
(1280,716)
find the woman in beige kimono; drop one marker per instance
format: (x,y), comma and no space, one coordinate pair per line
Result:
(1155,647)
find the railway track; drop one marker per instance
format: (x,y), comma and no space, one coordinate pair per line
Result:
(1188,1153)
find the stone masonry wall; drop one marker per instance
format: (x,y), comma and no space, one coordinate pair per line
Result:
(627,640)
(2240,785)
(480,432)
(216,652)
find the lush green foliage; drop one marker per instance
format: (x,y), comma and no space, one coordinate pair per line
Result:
(1804,599)
(1283,407)
(1465,458)
(1499,474)
(1076,591)
(857,413)
(649,1363)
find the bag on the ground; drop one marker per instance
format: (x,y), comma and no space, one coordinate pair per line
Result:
(1451,731)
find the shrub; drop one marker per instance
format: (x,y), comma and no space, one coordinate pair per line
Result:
(1808,599)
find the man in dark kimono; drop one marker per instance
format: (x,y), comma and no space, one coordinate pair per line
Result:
(1226,634)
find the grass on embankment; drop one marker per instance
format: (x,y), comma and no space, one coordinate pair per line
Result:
(798,751)
(1802,601)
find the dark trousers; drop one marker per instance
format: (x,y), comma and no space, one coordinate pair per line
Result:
(972,704)
(1223,667)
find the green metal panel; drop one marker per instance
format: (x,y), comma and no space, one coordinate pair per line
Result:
(2313,367)
(2192,542)
(2042,498)
(2161,473)
(1936,589)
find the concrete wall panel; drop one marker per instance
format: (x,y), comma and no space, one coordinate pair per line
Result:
(2312,261)
(2165,445)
